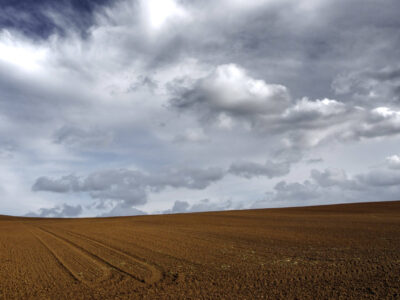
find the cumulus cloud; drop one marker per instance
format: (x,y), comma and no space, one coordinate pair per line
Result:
(307,123)
(228,89)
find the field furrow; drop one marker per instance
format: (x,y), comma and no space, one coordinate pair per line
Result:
(132,265)
(79,264)
(125,265)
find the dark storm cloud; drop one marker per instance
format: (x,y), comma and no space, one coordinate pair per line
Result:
(41,18)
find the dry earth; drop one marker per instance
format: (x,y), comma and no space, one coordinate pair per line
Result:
(338,251)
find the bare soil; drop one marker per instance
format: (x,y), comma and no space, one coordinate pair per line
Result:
(326,252)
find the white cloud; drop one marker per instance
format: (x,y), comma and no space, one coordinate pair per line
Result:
(22,54)
(161,11)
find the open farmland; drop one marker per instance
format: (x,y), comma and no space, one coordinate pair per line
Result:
(348,251)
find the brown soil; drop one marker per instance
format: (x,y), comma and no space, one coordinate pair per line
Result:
(337,251)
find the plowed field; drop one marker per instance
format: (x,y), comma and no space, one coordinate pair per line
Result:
(337,251)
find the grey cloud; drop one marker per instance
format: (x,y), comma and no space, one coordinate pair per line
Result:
(129,186)
(301,44)
(75,136)
(346,124)
(143,81)
(7,150)
(119,210)
(230,95)
(316,113)
(314,160)
(380,178)
(375,178)
(190,178)
(295,191)
(178,207)
(393,162)
(335,185)
(377,122)
(128,194)
(306,123)
(269,169)
(62,211)
(230,90)
(200,206)
(329,177)
(192,135)
(305,193)
(61,185)
(366,87)
(207,205)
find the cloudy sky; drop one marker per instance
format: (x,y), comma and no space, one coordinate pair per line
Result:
(120,107)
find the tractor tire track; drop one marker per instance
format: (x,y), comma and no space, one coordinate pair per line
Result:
(95,256)
(155,274)
(59,260)
(79,265)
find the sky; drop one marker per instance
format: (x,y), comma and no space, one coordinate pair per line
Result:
(129,107)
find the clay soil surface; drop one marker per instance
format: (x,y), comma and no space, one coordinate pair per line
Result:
(339,251)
